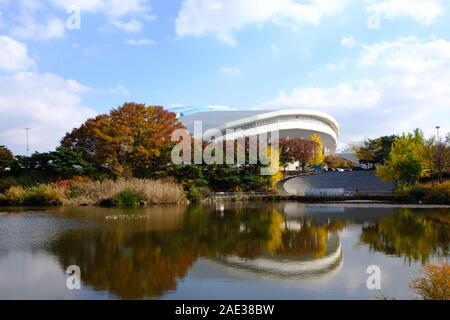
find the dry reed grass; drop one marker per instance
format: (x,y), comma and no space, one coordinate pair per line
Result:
(150,191)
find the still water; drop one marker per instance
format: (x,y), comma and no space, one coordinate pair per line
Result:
(218,251)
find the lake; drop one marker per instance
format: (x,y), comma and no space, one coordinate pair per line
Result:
(233,250)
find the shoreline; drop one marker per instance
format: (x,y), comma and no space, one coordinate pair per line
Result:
(345,204)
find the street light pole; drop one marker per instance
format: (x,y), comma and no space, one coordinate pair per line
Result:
(28,147)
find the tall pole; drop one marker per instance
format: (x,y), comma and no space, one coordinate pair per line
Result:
(437,130)
(28,146)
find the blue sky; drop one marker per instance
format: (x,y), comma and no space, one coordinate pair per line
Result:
(379,67)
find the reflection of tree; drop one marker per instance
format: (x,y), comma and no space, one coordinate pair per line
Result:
(135,259)
(131,265)
(311,239)
(275,241)
(416,236)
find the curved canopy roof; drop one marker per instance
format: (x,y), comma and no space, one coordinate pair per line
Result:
(230,119)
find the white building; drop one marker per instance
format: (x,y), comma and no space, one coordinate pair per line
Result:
(292,123)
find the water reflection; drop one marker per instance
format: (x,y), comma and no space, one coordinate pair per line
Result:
(137,255)
(292,266)
(414,235)
(144,253)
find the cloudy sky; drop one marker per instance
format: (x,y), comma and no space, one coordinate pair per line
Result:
(379,67)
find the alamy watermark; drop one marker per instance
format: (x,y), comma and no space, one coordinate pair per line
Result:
(73,22)
(73,281)
(230,147)
(374,280)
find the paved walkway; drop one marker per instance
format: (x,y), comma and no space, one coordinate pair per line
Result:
(350,181)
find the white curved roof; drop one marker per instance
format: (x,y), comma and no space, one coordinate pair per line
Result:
(261,121)
(289,112)
(228,119)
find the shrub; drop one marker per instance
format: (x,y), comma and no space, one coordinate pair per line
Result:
(127,198)
(194,193)
(439,194)
(8,182)
(15,195)
(44,194)
(3,200)
(435,284)
(40,195)
(74,192)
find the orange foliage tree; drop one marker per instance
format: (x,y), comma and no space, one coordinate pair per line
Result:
(132,140)
(293,150)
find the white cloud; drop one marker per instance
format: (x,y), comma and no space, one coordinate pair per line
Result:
(362,94)
(14,55)
(128,16)
(46,103)
(407,55)
(132,25)
(140,42)
(30,28)
(116,8)
(348,42)
(333,67)
(422,11)
(29,19)
(230,71)
(120,90)
(413,91)
(275,48)
(221,18)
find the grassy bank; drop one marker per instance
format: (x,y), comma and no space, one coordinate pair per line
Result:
(123,192)
(424,193)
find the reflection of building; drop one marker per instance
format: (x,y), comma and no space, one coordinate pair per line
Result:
(297,266)
(290,123)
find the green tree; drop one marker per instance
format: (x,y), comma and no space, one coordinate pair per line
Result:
(61,163)
(375,151)
(66,163)
(407,160)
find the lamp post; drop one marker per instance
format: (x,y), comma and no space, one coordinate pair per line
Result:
(28,147)
(437,130)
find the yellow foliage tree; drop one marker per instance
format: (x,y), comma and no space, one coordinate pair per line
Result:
(319,154)
(407,160)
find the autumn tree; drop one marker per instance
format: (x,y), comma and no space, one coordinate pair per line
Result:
(441,158)
(407,160)
(132,140)
(319,155)
(429,152)
(6,157)
(293,150)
